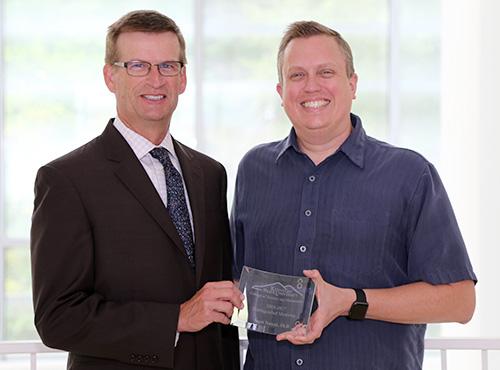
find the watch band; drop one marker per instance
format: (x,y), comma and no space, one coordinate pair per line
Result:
(360,295)
(359,306)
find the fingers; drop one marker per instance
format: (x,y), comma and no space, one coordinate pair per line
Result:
(288,335)
(214,302)
(314,275)
(316,324)
(220,318)
(223,290)
(328,310)
(299,338)
(223,307)
(220,284)
(214,315)
(303,335)
(298,330)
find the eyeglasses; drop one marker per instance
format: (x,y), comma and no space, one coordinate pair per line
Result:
(138,68)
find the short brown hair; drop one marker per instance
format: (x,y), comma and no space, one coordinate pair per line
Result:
(141,21)
(304,29)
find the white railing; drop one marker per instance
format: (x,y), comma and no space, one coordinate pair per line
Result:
(479,344)
(442,344)
(32,348)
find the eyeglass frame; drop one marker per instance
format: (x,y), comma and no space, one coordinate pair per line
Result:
(125,65)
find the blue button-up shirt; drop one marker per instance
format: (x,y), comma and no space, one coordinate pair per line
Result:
(369,216)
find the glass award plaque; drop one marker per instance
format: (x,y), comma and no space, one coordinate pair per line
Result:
(274,303)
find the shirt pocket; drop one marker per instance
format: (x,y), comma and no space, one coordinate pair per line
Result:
(358,242)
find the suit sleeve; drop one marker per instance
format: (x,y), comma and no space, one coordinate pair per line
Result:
(69,314)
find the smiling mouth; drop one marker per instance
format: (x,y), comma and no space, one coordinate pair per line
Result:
(315,103)
(154,97)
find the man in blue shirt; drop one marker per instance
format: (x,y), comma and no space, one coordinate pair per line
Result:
(370,223)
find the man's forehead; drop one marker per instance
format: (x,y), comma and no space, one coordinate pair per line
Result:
(319,42)
(314,50)
(132,35)
(156,43)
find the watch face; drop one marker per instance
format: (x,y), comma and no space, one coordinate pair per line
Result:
(358,310)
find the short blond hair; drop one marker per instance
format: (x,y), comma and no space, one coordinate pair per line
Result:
(304,29)
(141,21)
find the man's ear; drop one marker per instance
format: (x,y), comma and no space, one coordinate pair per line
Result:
(279,89)
(353,82)
(109,77)
(183,84)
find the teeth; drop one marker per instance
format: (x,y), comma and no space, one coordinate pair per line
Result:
(154,97)
(315,103)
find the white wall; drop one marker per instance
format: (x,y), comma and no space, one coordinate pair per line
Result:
(470,145)
(488,132)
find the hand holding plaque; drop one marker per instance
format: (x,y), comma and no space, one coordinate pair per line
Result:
(274,303)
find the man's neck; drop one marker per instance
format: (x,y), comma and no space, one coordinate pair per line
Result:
(155,132)
(318,145)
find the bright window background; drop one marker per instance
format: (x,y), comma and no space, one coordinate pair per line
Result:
(54,99)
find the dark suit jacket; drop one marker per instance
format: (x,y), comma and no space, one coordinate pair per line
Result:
(109,269)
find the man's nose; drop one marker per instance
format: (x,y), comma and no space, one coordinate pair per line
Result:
(312,83)
(154,76)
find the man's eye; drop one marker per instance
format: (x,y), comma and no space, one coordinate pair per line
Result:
(137,66)
(296,76)
(169,66)
(326,73)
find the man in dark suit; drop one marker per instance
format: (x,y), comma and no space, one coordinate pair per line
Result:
(130,241)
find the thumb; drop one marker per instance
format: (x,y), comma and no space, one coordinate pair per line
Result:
(314,275)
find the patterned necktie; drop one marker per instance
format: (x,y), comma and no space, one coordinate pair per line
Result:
(176,201)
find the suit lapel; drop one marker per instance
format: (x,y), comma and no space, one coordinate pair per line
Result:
(195,184)
(131,173)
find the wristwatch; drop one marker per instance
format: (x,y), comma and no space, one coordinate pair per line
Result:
(359,307)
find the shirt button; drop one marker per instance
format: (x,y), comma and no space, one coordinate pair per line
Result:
(308,212)
(299,362)
(312,178)
(303,248)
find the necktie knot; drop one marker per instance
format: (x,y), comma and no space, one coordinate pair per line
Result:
(161,154)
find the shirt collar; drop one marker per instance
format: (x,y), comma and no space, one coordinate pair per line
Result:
(289,142)
(139,144)
(353,147)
